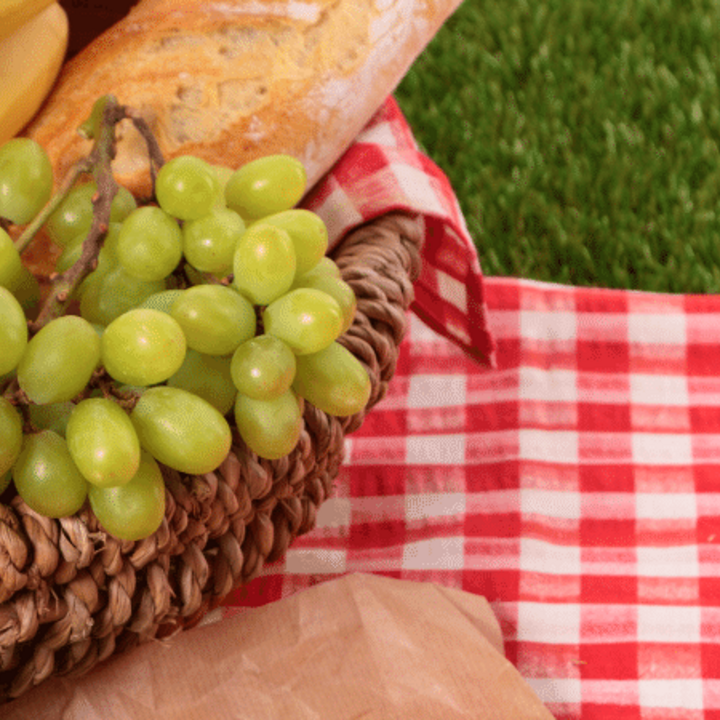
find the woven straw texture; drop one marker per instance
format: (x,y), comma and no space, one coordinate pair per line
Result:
(71,596)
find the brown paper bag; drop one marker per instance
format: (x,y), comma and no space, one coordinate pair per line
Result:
(362,646)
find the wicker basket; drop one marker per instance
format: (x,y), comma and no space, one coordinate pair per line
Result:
(71,596)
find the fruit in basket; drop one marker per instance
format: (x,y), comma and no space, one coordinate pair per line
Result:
(10,435)
(305,319)
(32,49)
(46,477)
(264,263)
(181,430)
(26,179)
(263,367)
(307,232)
(271,428)
(209,242)
(333,380)
(13,331)
(149,244)
(59,360)
(186,187)
(103,442)
(266,186)
(214,318)
(187,316)
(72,219)
(136,509)
(143,347)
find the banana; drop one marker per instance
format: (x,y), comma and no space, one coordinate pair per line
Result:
(14,13)
(30,60)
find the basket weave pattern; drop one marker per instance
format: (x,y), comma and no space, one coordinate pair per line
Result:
(71,596)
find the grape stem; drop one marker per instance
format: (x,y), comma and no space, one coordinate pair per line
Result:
(83,166)
(99,163)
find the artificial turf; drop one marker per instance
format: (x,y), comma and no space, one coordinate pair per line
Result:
(581,137)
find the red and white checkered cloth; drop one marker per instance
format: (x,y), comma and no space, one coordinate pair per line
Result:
(384,170)
(576,485)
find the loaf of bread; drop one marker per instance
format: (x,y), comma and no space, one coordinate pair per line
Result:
(232,80)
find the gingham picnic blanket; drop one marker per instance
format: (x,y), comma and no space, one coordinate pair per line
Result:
(575,485)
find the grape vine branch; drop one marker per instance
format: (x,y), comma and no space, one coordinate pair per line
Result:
(100,127)
(98,162)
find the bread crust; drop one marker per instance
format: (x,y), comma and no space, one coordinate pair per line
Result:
(234,80)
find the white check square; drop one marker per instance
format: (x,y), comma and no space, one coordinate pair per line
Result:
(435,554)
(666,506)
(436,449)
(452,290)
(540,556)
(677,561)
(549,385)
(549,326)
(550,503)
(660,328)
(684,694)
(549,623)
(427,506)
(659,390)
(668,624)
(553,446)
(661,448)
(430,391)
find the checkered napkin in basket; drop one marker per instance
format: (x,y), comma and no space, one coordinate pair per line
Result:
(384,171)
(576,485)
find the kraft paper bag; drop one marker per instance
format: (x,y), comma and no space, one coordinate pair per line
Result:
(361,646)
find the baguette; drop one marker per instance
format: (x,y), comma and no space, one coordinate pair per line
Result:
(233,80)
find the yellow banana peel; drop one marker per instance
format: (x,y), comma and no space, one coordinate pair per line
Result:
(15,13)
(30,60)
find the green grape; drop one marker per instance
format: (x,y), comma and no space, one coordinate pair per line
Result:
(122,205)
(5,482)
(46,477)
(51,417)
(73,250)
(181,430)
(115,293)
(266,186)
(270,428)
(186,187)
(214,318)
(264,263)
(10,262)
(26,180)
(11,435)
(143,347)
(333,380)
(26,290)
(162,300)
(263,367)
(13,332)
(59,361)
(149,246)
(74,215)
(135,510)
(103,442)
(326,266)
(106,261)
(209,242)
(337,289)
(307,232)
(208,377)
(305,319)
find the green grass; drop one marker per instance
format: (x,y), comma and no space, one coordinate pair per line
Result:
(581,137)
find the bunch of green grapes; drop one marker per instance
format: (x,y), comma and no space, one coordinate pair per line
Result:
(215,305)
